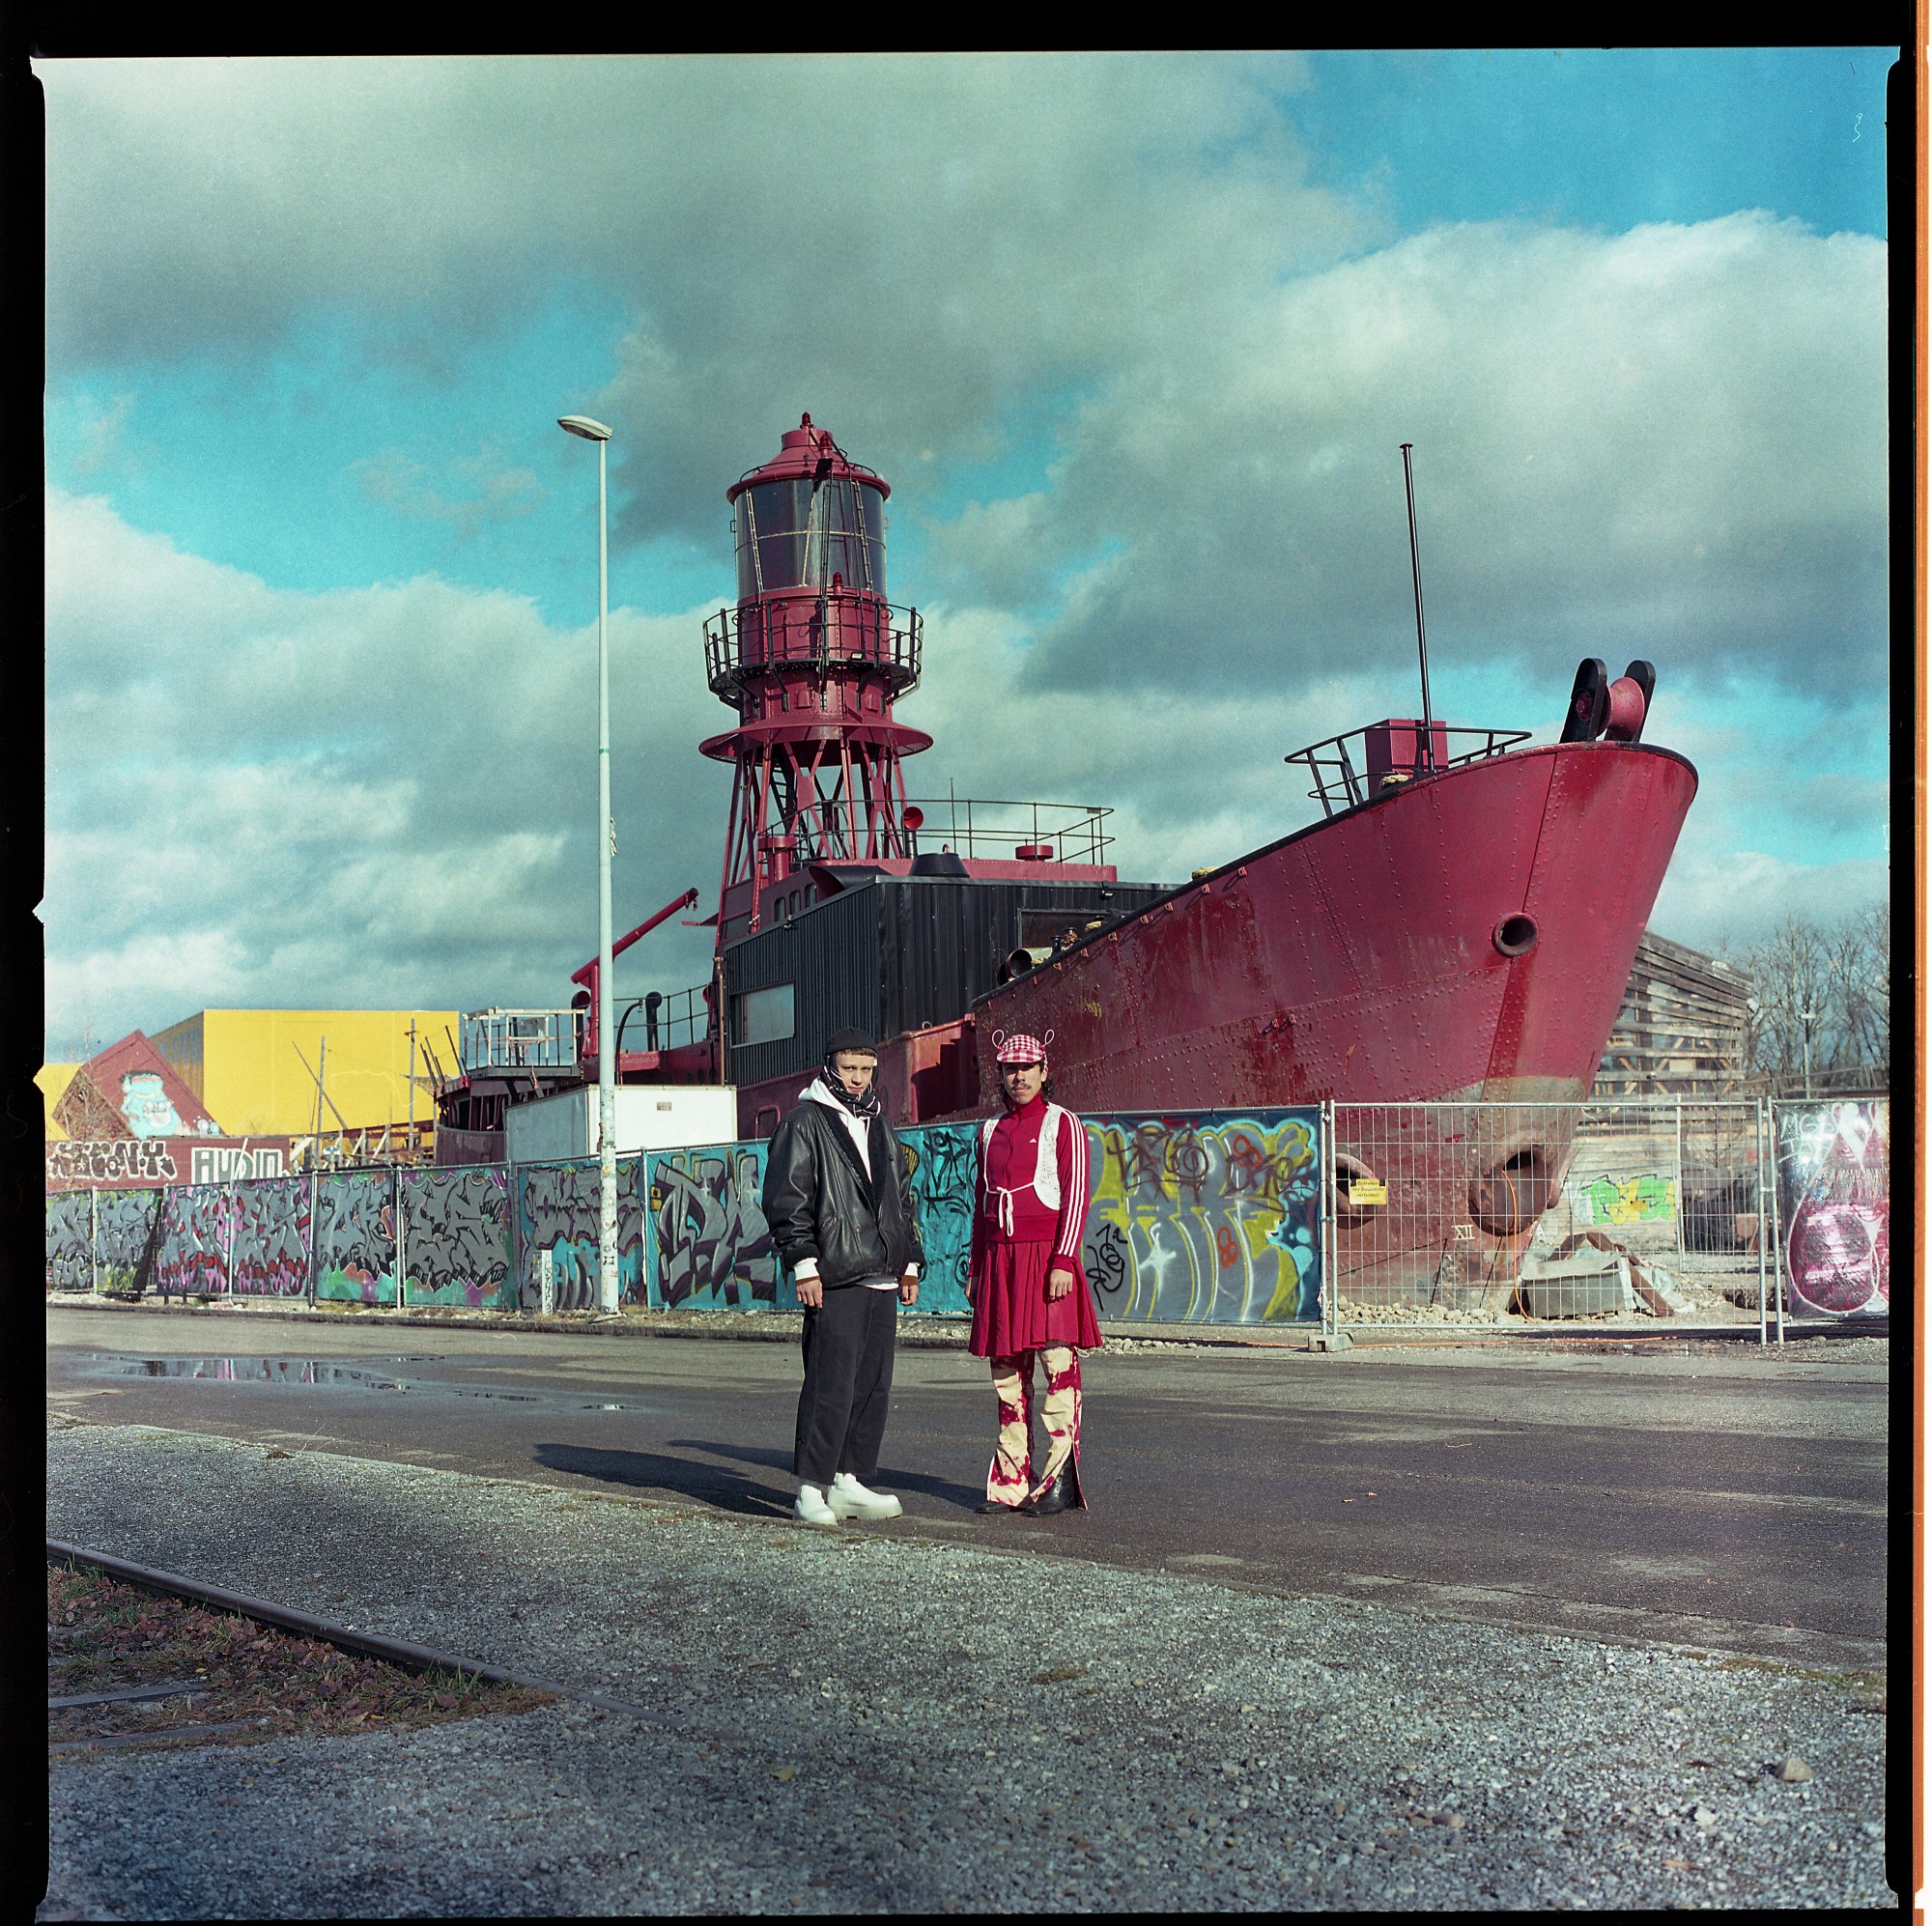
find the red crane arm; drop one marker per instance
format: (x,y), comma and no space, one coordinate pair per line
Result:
(644,928)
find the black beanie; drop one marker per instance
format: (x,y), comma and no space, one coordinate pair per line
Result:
(850,1039)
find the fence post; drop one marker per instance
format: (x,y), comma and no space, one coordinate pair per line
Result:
(314,1219)
(402,1263)
(513,1201)
(1776,1220)
(1678,1193)
(1766,1154)
(1325,1242)
(228,1238)
(93,1236)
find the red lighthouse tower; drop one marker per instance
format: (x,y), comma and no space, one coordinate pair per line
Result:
(812,658)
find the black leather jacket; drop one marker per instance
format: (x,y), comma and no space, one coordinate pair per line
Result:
(820,1204)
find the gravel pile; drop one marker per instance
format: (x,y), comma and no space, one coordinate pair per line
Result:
(859,1722)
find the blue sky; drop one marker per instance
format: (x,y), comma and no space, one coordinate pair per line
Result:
(1134,338)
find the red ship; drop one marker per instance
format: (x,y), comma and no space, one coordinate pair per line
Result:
(1459,923)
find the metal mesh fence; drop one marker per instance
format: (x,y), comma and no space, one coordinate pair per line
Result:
(1517,1215)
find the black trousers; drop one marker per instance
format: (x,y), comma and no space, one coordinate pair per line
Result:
(848,1383)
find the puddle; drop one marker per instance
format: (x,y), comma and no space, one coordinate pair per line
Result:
(314,1372)
(252,1370)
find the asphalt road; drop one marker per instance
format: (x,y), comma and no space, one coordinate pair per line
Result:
(1713,1496)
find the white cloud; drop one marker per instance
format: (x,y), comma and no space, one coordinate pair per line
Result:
(1669,443)
(383,797)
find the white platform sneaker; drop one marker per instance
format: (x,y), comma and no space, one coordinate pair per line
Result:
(849,1499)
(811,1506)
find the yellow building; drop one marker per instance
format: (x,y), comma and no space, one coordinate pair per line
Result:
(247,1069)
(53,1079)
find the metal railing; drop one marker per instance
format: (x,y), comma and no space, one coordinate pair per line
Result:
(1345,782)
(975,826)
(519,1039)
(836,628)
(660,1022)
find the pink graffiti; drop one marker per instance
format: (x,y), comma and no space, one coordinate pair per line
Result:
(1839,1246)
(1841,1255)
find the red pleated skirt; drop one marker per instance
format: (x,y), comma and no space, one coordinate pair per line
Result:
(1012,1311)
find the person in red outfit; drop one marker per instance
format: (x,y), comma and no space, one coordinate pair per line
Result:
(1026,1285)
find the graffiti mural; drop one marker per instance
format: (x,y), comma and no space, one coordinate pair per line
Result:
(147,1106)
(117,1160)
(71,1241)
(711,1249)
(269,1238)
(355,1236)
(1835,1187)
(233,1163)
(941,1158)
(1639,1200)
(456,1237)
(1210,1218)
(191,1252)
(558,1212)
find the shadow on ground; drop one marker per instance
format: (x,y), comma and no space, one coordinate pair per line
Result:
(888,1478)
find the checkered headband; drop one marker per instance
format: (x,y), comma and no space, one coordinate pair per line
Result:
(1016,1047)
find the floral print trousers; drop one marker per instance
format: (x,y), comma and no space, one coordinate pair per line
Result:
(1008,1477)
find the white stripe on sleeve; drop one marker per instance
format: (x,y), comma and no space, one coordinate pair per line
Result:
(1073,1189)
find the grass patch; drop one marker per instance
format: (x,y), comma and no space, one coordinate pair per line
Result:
(103,1637)
(1851,1681)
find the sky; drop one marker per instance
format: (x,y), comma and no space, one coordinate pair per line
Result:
(1135,339)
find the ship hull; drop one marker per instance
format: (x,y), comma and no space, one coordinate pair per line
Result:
(1366,959)
(1462,944)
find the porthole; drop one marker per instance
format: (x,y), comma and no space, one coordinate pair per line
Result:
(1515,936)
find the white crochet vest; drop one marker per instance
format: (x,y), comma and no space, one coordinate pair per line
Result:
(1047,1169)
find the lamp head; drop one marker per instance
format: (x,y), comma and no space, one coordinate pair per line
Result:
(581,424)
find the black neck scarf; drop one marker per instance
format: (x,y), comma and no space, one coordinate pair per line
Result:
(864,1104)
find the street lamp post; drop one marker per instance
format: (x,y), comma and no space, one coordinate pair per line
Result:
(607,1084)
(1808,1017)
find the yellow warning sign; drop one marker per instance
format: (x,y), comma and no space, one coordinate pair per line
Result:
(1366,1190)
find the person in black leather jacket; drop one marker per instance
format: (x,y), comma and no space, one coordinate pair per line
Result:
(839,1203)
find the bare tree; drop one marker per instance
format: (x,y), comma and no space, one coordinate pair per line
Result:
(1821,1004)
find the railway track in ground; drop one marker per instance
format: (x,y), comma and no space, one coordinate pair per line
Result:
(132,1649)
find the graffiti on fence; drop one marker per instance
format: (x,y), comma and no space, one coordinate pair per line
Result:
(456,1237)
(941,1159)
(1834,1179)
(270,1232)
(1205,1219)
(191,1253)
(1639,1200)
(557,1212)
(356,1237)
(124,1235)
(711,1244)
(71,1241)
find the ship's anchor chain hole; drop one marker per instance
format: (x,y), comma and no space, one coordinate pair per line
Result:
(1515,936)
(1512,1196)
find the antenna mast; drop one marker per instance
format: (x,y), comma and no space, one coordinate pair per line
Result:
(1421,633)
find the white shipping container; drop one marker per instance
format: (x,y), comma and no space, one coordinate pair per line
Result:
(650,1116)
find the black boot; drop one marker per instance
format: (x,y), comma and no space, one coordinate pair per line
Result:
(1060,1494)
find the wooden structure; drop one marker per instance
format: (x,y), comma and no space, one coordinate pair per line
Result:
(1683,1028)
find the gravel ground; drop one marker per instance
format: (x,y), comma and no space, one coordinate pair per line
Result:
(857,1722)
